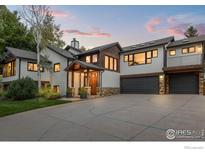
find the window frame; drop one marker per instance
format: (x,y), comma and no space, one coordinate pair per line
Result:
(33,63)
(54,67)
(153,52)
(13,69)
(89,58)
(113,59)
(171,54)
(127,58)
(188,49)
(96,57)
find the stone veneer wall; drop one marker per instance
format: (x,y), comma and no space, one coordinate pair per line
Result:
(110,91)
(201,83)
(167,84)
(162,87)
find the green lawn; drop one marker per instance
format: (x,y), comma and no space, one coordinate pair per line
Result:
(8,107)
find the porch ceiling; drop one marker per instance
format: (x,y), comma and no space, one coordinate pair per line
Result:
(80,65)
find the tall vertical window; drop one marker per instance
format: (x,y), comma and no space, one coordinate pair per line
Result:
(94,58)
(111,63)
(9,69)
(57,67)
(106,62)
(88,59)
(115,64)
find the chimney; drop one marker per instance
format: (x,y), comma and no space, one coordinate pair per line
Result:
(75,43)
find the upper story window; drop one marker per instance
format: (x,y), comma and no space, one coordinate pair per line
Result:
(57,67)
(111,63)
(94,58)
(172,52)
(88,59)
(33,67)
(141,57)
(188,50)
(9,69)
(154,53)
(199,49)
(91,58)
(126,58)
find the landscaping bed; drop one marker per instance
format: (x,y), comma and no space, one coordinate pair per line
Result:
(8,107)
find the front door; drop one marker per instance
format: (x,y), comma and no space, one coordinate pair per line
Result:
(93,83)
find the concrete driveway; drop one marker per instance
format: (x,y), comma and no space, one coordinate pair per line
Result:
(114,118)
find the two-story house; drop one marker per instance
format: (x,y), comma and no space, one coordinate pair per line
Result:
(162,66)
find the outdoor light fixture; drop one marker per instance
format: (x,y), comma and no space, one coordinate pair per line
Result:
(161,76)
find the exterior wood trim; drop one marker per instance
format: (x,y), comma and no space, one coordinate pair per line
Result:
(141,75)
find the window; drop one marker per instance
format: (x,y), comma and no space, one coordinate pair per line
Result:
(56,88)
(139,58)
(185,50)
(130,58)
(199,49)
(57,67)
(94,58)
(172,52)
(106,62)
(188,50)
(111,63)
(33,67)
(9,69)
(149,61)
(88,59)
(126,58)
(115,64)
(154,53)
(149,54)
(191,49)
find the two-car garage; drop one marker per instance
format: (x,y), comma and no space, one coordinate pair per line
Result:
(178,83)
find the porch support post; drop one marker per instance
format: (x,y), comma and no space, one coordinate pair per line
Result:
(100,83)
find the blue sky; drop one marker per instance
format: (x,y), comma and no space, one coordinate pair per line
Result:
(97,25)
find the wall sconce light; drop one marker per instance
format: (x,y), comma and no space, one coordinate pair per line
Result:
(161,76)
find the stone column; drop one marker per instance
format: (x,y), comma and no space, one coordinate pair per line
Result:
(201,83)
(161,84)
(167,84)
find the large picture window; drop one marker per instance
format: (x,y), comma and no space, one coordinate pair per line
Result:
(9,69)
(139,58)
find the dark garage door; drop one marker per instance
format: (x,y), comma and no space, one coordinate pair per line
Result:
(140,85)
(185,83)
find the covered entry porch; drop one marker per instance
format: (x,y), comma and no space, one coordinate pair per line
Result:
(87,75)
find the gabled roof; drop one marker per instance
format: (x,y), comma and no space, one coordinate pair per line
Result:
(148,44)
(25,54)
(70,47)
(19,53)
(61,52)
(83,65)
(196,39)
(100,48)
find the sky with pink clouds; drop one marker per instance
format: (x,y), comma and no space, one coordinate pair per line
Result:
(97,25)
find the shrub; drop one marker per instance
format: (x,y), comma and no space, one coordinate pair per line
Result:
(83,93)
(21,89)
(48,93)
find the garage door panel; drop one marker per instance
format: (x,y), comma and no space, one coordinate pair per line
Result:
(140,85)
(185,83)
